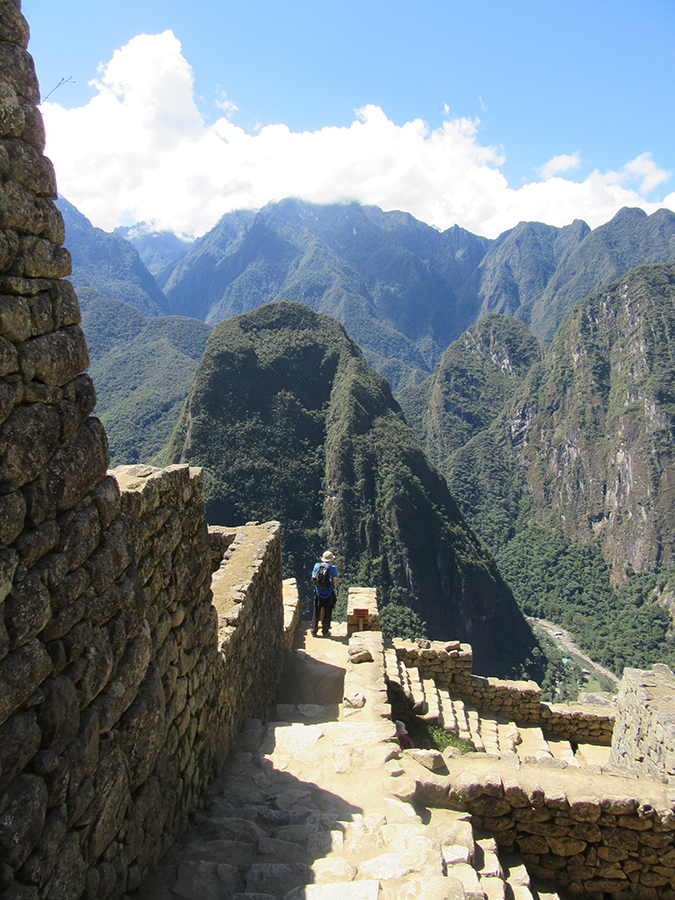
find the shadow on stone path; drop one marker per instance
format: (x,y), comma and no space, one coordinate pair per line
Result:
(316,805)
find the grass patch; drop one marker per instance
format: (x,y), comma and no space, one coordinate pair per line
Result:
(435,737)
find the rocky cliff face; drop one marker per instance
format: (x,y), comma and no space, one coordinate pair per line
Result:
(594,427)
(291,423)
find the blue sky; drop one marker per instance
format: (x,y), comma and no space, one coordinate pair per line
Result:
(503,89)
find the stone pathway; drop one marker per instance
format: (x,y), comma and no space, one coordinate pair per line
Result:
(317,805)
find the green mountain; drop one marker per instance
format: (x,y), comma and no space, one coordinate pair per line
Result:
(630,239)
(109,264)
(594,426)
(475,377)
(160,251)
(143,368)
(403,290)
(566,467)
(521,263)
(291,423)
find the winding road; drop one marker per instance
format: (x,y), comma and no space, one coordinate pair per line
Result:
(562,637)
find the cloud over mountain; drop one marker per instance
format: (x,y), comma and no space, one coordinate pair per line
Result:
(141,150)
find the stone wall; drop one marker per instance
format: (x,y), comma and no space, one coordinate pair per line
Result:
(147,684)
(249,608)
(592,835)
(121,684)
(644,740)
(450,663)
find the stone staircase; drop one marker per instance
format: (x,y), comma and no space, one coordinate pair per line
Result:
(266,835)
(489,733)
(318,804)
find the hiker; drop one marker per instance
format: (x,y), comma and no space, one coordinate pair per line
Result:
(324,580)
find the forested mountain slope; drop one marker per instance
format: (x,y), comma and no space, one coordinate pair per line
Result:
(142,369)
(403,290)
(594,425)
(475,377)
(291,423)
(630,239)
(567,468)
(109,264)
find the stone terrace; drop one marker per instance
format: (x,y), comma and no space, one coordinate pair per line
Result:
(321,803)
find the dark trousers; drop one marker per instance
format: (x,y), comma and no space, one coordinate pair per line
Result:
(325,604)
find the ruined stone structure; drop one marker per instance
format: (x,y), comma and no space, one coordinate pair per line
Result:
(135,641)
(645,727)
(450,663)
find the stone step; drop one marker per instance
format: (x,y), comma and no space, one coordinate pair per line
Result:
(432,701)
(417,692)
(561,749)
(448,718)
(463,728)
(392,669)
(533,746)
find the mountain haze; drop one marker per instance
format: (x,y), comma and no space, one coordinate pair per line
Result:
(109,264)
(291,423)
(403,290)
(142,368)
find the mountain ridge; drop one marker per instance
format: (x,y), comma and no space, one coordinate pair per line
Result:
(290,422)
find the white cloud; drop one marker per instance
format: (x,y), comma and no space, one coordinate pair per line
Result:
(562,163)
(141,151)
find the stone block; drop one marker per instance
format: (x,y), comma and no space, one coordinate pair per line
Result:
(42,259)
(84,750)
(9,559)
(98,668)
(19,741)
(18,70)
(111,801)
(22,819)
(76,466)
(40,863)
(21,673)
(108,562)
(59,716)
(69,589)
(12,118)
(68,877)
(65,306)
(19,209)
(53,228)
(123,686)
(106,497)
(29,167)
(9,358)
(27,438)
(35,542)
(56,358)
(142,728)
(37,503)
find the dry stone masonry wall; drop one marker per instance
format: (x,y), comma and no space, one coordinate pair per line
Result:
(589,834)
(117,672)
(645,734)
(450,663)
